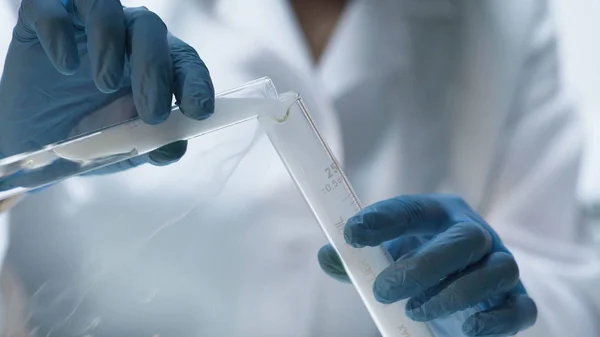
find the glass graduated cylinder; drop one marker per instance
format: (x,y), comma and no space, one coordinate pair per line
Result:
(332,200)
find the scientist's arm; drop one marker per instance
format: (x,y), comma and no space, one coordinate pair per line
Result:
(533,201)
(77,66)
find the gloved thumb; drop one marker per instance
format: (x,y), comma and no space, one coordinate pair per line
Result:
(331,264)
(168,154)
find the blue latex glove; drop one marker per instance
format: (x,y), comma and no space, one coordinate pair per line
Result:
(67,60)
(447,259)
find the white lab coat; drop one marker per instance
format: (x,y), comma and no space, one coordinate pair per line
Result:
(415,96)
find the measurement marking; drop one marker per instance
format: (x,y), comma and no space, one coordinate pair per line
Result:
(403,331)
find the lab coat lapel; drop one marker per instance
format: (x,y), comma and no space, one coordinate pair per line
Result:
(270,23)
(373,42)
(489,76)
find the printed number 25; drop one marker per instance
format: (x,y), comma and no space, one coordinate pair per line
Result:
(331,170)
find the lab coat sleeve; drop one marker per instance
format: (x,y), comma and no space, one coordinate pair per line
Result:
(532,199)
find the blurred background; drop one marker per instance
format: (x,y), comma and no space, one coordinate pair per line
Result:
(579,23)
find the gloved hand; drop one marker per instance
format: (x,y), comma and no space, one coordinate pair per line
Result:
(68,60)
(447,259)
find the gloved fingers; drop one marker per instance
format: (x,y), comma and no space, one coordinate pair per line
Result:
(332,265)
(104,24)
(51,24)
(168,154)
(403,245)
(493,276)
(404,215)
(150,63)
(452,251)
(518,313)
(194,91)
(163,156)
(330,262)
